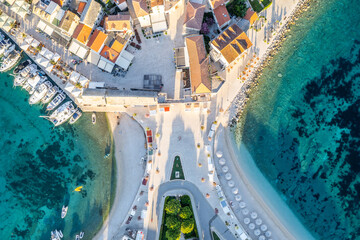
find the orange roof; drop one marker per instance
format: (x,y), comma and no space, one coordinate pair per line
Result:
(140,8)
(120,22)
(155,3)
(232,42)
(118,46)
(82,33)
(58,2)
(81,7)
(109,53)
(251,16)
(97,40)
(216,3)
(199,65)
(221,15)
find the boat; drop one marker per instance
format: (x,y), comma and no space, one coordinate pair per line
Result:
(81,235)
(64,211)
(21,66)
(9,49)
(39,93)
(76,116)
(61,234)
(62,113)
(24,74)
(56,235)
(6,44)
(78,189)
(93,118)
(10,61)
(32,83)
(51,93)
(56,101)
(77,237)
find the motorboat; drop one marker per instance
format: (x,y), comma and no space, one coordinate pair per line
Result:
(31,84)
(10,61)
(76,116)
(24,74)
(21,66)
(39,93)
(77,237)
(64,211)
(93,118)
(50,94)
(56,101)
(9,50)
(56,235)
(81,235)
(62,113)
(5,44)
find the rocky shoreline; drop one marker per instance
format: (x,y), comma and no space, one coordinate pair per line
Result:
(240,101)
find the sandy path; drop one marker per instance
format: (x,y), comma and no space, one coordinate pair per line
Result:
(129,140)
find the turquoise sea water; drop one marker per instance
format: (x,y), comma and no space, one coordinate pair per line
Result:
(40,166)
(303,129)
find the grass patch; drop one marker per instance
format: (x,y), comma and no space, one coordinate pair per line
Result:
(177,168)
(215,236)
(266,3)
(256,5)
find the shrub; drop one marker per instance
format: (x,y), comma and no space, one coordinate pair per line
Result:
(172,222)
(187,226)
(173,234)
(185,213)
(185,200)
(238,8)
(173,207)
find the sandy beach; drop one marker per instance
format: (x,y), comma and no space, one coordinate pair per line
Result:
(261,190)
(129,143)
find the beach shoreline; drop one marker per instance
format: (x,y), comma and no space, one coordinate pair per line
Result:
(128,173)
(264,193)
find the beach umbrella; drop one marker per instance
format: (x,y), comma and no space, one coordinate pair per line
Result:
(219,154)
(228,176)
(257,232)
(242,204)
(231,183)
(252,226)
(246,221)
(225,169)
(254,215)
(245,211)
(222,161)
(235,191)
(263,227)
(268,234)
(238,198)
(262,237)
(258,221)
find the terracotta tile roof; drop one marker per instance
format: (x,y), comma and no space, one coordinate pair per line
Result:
(120,22)
(81,7)
(82,33)
(118,45)
(58,2)
(109,53)
(155,3)
(251,16)
(216,3)
(140,8)
(232,42)
(221,15)
(97,39)
(194,15)
(199,65)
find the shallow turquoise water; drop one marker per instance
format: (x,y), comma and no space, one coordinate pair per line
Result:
(40,167)
(303,129)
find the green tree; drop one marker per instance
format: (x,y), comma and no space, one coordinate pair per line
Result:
(185,212)
(172,234)
(238,8)
(185,200)
(173,222)
(173,207)
(187,225)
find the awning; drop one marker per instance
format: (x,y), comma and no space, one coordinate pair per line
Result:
(43,51)
(25,46)
(10,2)
(123,63)
(3,19)
(81,52)
(93,58)
(56,57)
(42,61)
(8,24)
(22,12)
(74,47)
(94,85)
(109,67)
(127,55)
(35,43)
(74,77)
(83,81)
(76,92)
(28,39)
(102,64)
(69,87)
(159,27)
(49,54)
(48,30)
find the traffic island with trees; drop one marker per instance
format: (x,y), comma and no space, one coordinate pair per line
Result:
(178,218)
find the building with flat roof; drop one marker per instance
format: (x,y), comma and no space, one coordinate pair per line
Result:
(69,23)
(199,65)
(142,12)
(92,14)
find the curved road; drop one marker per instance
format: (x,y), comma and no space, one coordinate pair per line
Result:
(203,209)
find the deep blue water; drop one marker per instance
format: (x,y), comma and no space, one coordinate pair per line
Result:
(303,129)
(40,166)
